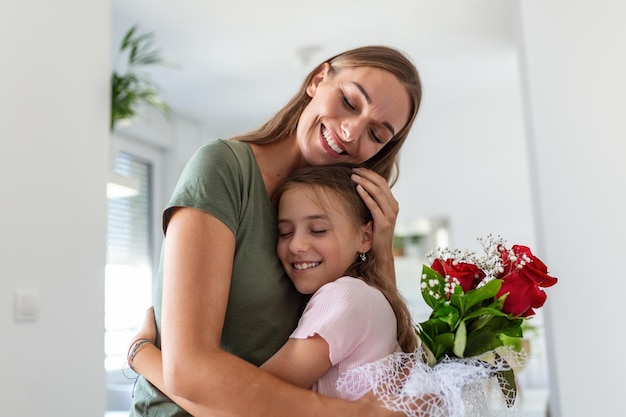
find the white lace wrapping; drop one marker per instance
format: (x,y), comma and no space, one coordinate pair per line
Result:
(452,388)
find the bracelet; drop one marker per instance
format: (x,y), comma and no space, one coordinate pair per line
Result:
(135,347)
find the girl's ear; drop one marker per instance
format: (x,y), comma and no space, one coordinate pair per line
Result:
(320,75)
(367,233)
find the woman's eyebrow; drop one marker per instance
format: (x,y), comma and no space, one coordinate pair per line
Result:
(369,101)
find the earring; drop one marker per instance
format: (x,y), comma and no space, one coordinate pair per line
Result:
(362,256)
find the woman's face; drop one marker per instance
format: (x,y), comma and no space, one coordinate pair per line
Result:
(317,241)
(352,115)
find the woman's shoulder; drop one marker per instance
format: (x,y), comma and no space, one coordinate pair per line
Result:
(220,156)
(223,148)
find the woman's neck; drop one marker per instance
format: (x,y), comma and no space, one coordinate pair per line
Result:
(276,161)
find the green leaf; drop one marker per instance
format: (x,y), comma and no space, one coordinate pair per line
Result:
(485,311)
(475,296)
(481,341)
(131,89)
(128,37)
(443,345)
(506,380)
(460,340)
(506,325)
(447,314)
(432,287)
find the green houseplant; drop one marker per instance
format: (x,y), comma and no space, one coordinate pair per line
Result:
(130,87)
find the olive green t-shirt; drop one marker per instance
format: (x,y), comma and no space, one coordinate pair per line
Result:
(224,180)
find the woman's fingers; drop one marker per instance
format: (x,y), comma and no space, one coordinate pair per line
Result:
(380,199)
(377,195)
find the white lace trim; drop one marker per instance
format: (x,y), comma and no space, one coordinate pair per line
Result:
(452,388)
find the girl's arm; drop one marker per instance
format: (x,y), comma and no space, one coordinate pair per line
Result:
(377,195)
(207,380)
(300,362)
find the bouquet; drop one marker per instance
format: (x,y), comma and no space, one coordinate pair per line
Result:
(478,304)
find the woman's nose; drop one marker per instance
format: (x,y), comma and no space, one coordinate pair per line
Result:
(351,130)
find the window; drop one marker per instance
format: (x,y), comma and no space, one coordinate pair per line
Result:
(133,244)
(128,273)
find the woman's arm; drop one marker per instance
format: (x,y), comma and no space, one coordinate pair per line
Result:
(300,362)
(207,380)
(377,195)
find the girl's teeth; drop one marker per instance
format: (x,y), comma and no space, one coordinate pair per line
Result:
(304,266)
(330,141)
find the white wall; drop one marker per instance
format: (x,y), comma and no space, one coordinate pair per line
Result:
(466,158)
(576,60)
(54,94)
(176,135)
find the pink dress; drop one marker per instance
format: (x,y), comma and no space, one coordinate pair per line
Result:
(356,321)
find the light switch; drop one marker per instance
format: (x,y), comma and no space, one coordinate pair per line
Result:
(25,305)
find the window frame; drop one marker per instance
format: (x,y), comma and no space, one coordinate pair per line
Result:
(118,385)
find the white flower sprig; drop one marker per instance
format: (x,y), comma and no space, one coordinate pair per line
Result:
(490,262)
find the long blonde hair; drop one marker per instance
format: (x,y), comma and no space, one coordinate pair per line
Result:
(335,180)
(284,123)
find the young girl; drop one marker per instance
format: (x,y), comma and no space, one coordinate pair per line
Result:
(355,315)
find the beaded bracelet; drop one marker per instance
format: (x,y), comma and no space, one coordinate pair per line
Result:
(137,344)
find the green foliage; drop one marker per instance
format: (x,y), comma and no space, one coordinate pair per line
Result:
(467,324)
(131,88)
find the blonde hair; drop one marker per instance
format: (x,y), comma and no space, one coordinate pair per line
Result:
(335,181)
(284,123)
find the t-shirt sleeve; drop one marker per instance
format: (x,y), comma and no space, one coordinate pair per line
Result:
(212,182)
(339,312)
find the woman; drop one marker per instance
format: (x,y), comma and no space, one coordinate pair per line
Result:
(223,303)
(355,316)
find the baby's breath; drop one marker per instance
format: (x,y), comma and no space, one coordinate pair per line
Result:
(490,262)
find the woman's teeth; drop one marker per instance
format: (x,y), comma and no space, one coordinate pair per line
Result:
(329,140)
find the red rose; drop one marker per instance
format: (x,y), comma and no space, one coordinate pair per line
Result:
(524,295)
(527,264)
(523,276)
(469,275)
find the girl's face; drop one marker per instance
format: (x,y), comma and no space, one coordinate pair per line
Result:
(353,113)
(317,239)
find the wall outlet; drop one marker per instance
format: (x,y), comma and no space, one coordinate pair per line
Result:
(25,305)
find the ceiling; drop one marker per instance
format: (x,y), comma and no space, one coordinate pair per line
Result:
(238,61)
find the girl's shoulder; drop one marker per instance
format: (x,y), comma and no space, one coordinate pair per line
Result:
(349,287)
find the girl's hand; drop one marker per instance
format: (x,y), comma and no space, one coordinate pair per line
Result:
(377,195)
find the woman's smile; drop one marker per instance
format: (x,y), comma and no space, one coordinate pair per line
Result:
(331,142)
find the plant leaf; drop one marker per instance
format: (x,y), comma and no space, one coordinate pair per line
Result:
(481,341)
(469,299)
(506,380)
(432,287)
(460,340)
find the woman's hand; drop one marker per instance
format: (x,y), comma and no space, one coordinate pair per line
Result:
(377,195)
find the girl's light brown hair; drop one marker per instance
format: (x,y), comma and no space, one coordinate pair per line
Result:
(333,185)
(283,124)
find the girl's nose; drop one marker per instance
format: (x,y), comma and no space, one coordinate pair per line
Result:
(298,244)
